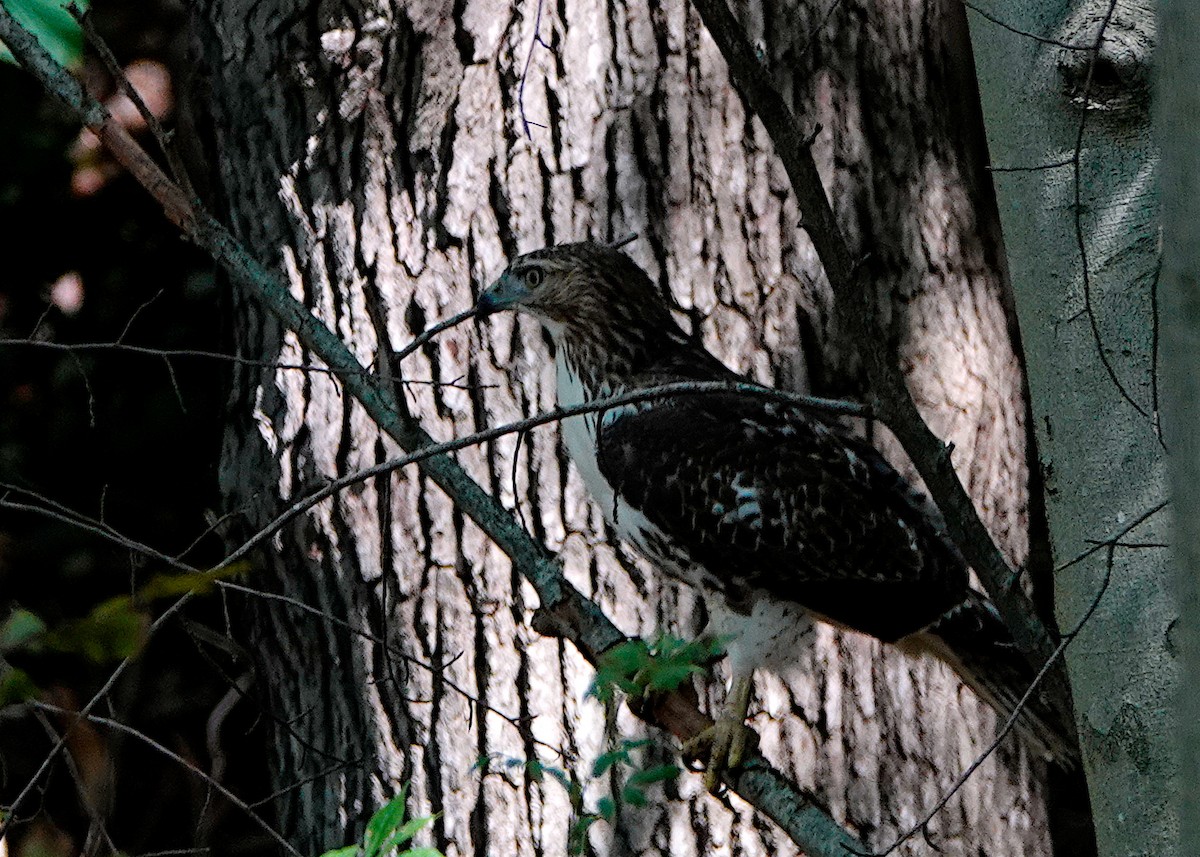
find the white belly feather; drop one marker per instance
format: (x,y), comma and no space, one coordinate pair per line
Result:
(579,433)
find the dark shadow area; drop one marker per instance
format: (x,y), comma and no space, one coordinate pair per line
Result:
(129,439)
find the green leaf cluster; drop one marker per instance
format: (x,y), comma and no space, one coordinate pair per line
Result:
(632,790)
(113,630)
(387,831)
(638,667)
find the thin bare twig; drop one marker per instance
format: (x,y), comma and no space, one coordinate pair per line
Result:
(168,353)
(1124,531)
(312,778)
(983,13)
(179,760)
(816,31)
(161,136)
(1053,165)
(91,703)
(85,799)
(48,508)
(57,511)
(87,386)
(682,388)
(429,334)
(516,495)
(137,312)
(515,722)
(1109,544)
(533,44)
(1080,241)
(1155,331)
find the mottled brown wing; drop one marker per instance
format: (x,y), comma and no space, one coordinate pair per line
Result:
(765,496)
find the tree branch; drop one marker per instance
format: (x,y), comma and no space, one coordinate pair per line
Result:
(179,760)
(894,405)
(564,610)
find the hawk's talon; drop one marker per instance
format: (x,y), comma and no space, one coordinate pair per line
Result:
(727,739)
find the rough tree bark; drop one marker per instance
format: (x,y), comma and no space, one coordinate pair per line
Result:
(376,155)
(1078,197)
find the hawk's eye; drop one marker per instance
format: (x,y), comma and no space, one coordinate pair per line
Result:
(533,277)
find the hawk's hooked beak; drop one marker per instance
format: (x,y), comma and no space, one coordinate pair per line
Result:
(507,292)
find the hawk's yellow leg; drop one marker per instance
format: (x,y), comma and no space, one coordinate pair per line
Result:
(726,739)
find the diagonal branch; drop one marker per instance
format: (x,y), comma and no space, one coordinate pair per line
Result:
(894,405)
(564,610)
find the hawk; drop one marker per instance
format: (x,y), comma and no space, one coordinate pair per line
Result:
(778,517)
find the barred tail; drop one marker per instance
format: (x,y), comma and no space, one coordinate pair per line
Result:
(973,640)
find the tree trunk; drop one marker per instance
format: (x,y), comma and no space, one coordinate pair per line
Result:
(1178,105)
(1078,197)
(376,155)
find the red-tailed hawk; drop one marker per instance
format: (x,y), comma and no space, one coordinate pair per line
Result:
(776,515)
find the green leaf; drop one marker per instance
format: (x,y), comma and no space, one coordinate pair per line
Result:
(634,796)
(382,824)
(670,676)
(607,760)
(607,808)
(348,851)
(698,651)
(53,26)
(626,658)
(577,839)
(407,832)
(657,774)
(665,663)
(482,763)
(387,831)
(16,686)
(617,668)
(200,582)
(20,629)
(563,777)
(114,630)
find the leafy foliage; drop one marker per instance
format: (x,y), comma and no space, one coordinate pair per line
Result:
(113,630)
(387,831)
(628,788)
(637,667)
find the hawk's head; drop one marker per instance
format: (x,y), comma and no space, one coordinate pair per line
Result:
(580,291)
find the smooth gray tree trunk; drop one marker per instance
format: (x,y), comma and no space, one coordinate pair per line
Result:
(1178,107)
(375,153)
(1081,222)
